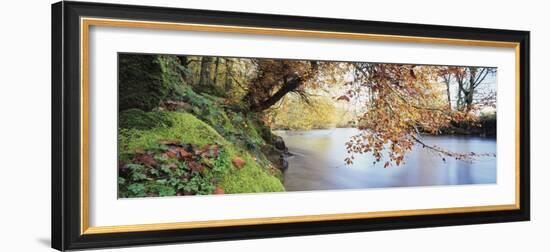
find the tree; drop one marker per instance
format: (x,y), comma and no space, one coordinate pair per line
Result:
(205,76)
(228,85)
(292,113)
(275,78)
(216,64)
(447,75)
(469,79)
(404,102)
(184,62)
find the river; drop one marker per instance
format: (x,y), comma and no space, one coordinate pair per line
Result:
(317,163)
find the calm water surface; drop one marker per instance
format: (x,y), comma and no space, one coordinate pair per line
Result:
(318,156)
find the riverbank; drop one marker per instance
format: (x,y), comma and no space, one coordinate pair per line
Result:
(486,126)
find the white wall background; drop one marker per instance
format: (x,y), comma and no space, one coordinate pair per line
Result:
(25,125)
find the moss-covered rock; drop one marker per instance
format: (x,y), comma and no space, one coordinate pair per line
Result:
(141,83)
(141,120)
(256,175)
(183,126)
(251,178)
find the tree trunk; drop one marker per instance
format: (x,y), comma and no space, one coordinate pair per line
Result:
(469,95)
(447,80)
(469,100)
(184,62)
(228,85)
(205,80)
(449,97)
(288,86)
(290,82)
(460,79)
(215,82)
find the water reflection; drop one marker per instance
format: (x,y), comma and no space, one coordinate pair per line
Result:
(318,163)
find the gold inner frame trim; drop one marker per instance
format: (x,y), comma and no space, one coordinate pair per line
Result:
(86,23)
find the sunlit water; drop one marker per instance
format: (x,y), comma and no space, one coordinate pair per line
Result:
(318,156)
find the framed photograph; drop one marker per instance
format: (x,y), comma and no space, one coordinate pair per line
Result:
(180,125)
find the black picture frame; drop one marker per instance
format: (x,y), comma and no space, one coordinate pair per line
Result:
(66,155)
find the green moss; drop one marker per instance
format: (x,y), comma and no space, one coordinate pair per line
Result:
(254,176)
(145,83)
(171,75)
(139,119)
(182,126)
(140,82)
(250,178)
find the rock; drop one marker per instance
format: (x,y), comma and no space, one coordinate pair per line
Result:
(238,162)
(279,144)
(284,162)
(177,106)
(141,84)
(276,156)
(139,119)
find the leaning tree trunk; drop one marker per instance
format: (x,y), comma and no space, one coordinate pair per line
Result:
(288,86)
(290,82)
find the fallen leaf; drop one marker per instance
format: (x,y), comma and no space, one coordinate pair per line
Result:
(218,190)
(172,166)
(184,154)
(196,167)
(145,159)
(214,151)
(238,162)
(172,153)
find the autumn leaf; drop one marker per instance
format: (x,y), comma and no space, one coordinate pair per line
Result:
(184,154)
(146,159)
(343,98)
(172,153)
(195,167)
(238,162)
(218,190)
